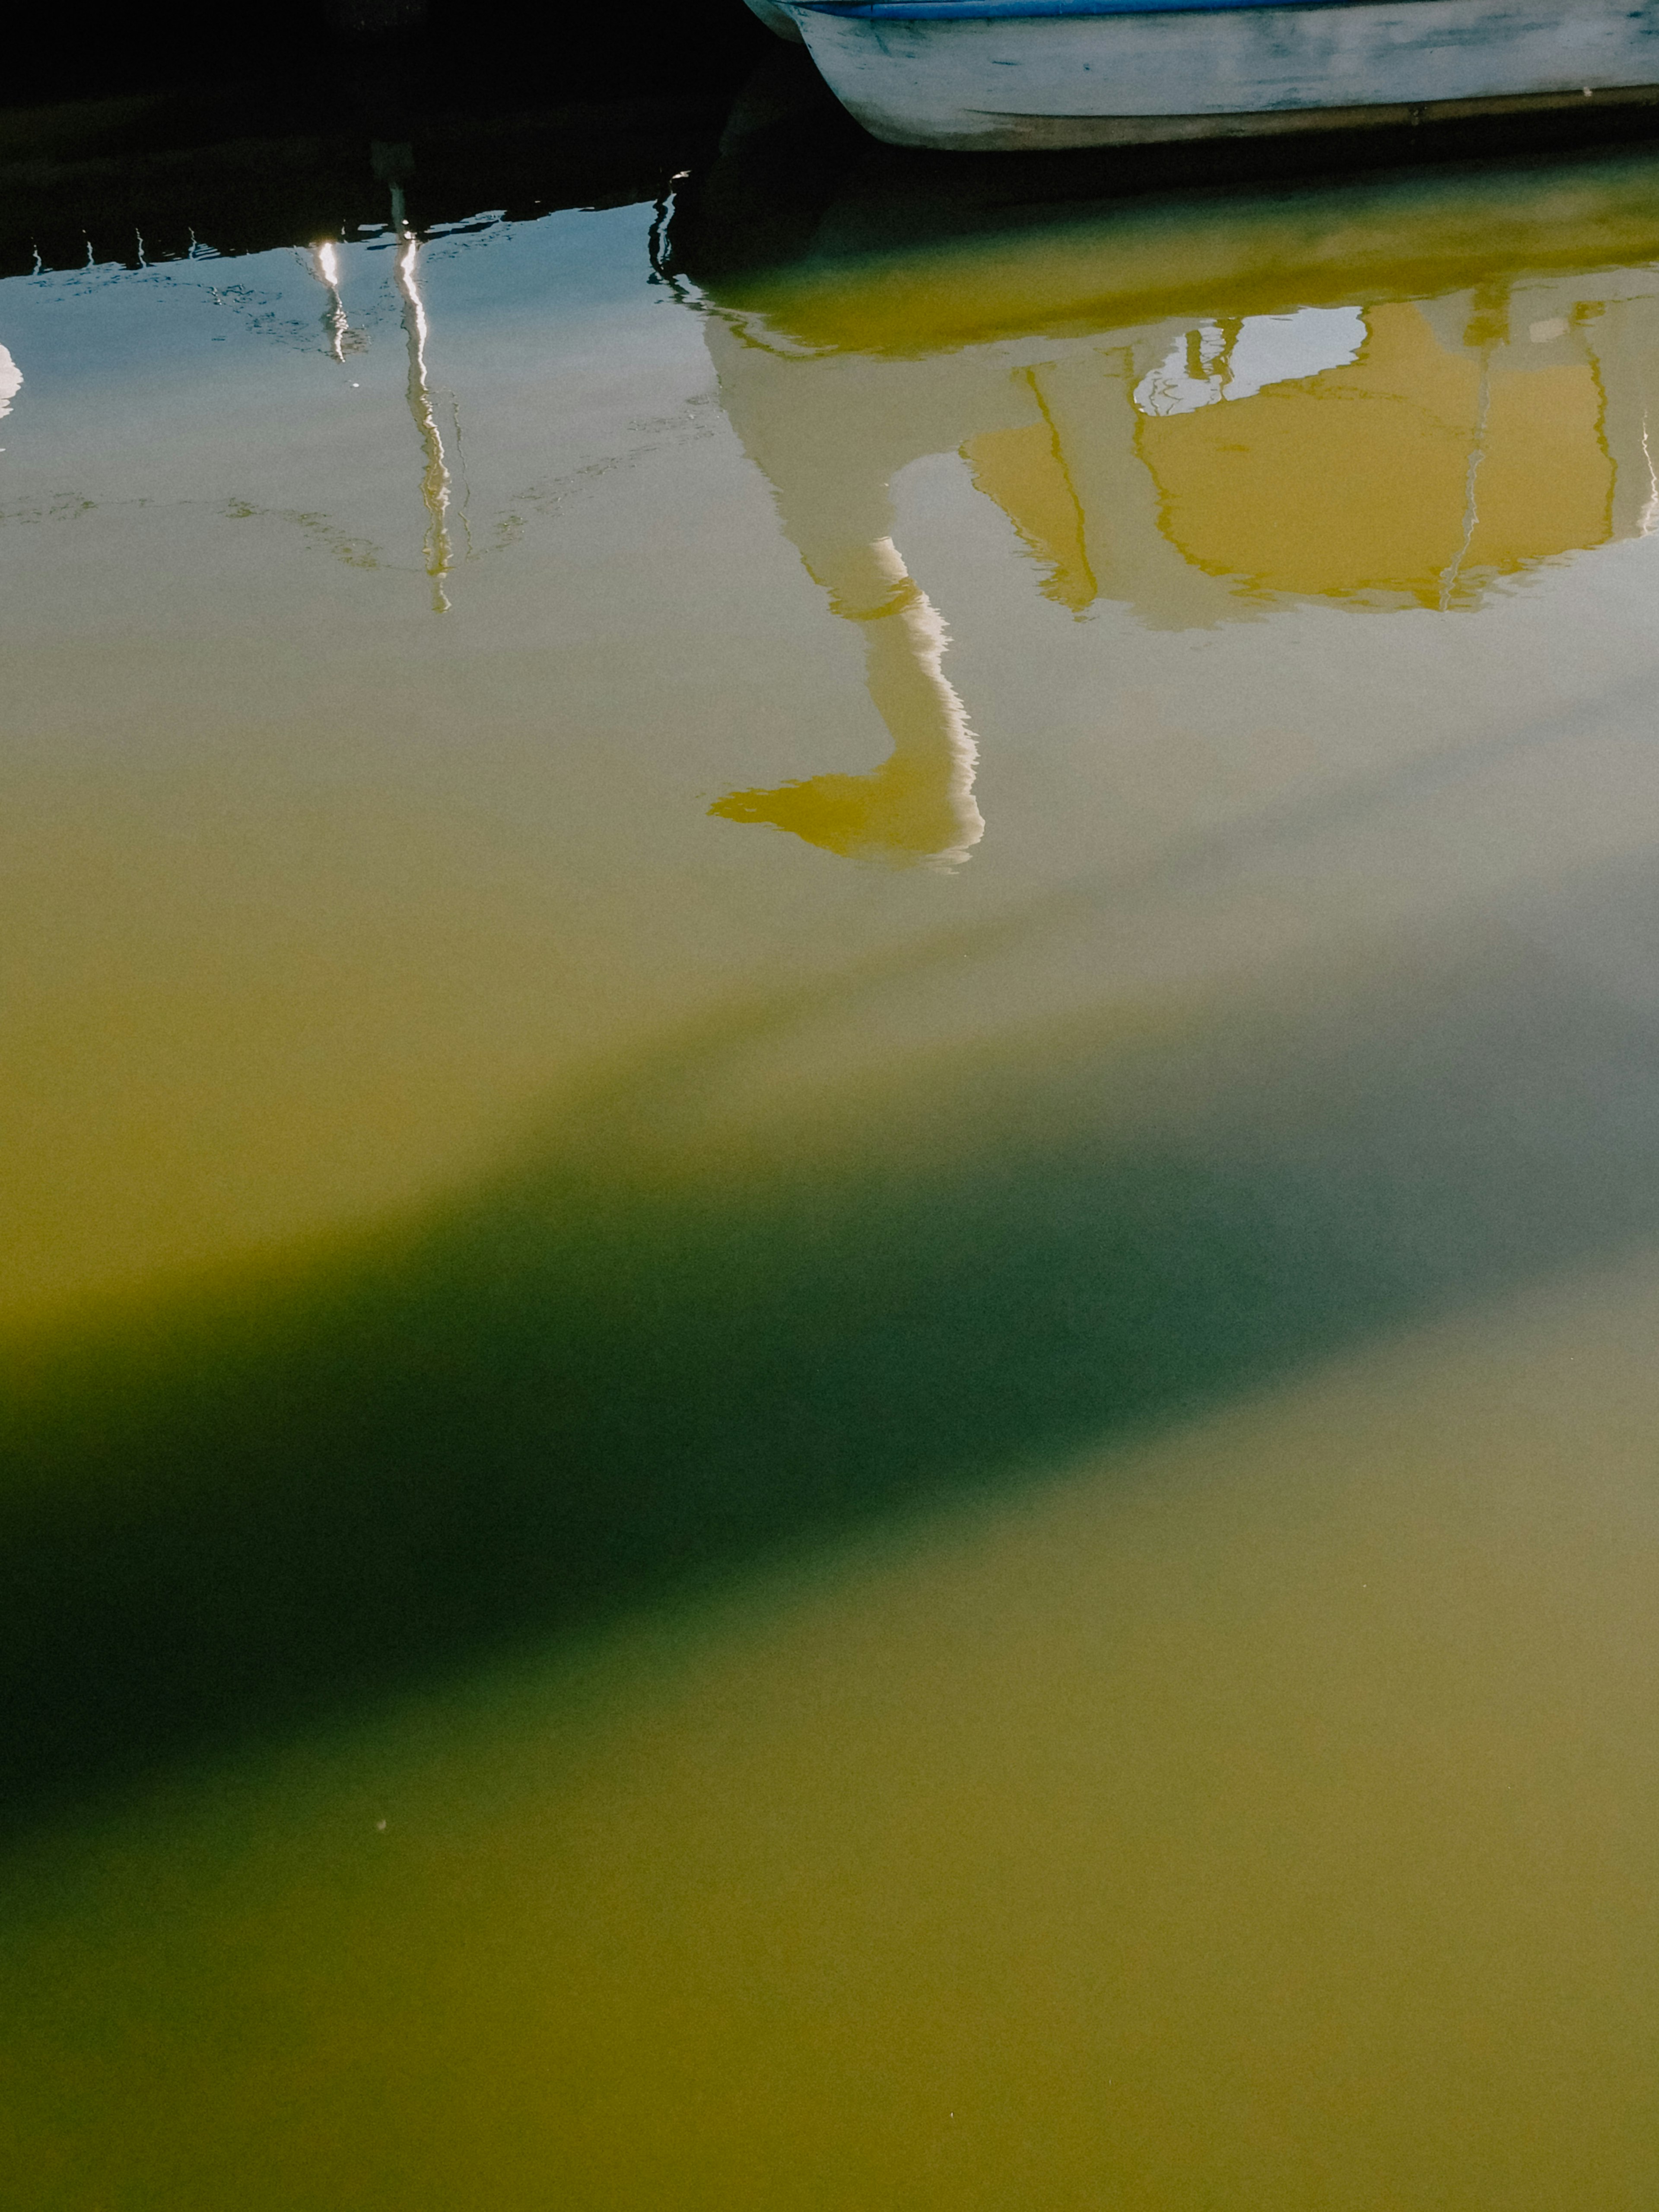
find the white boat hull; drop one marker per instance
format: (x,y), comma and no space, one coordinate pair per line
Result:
(1014,80)
(777,20)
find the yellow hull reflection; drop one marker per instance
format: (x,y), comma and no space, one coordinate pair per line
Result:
(1299,442)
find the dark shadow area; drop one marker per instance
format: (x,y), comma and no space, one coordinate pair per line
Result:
(440,51)
(620,1371)
(244,139)
(243,133)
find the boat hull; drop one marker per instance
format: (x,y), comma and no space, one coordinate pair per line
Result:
(1030,74)
(777,20)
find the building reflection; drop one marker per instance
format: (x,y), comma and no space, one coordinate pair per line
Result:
(1389,453)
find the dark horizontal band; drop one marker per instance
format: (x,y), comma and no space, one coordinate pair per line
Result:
(974,11)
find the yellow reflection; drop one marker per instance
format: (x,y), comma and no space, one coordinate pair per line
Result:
(1385,452)
(1418,470)
(919,803)
(1023,469)
(1396,452)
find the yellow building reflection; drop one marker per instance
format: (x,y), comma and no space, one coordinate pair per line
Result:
(1392,453)
(1415,470)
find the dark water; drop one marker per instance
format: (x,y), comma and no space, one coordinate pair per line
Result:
(831,1167)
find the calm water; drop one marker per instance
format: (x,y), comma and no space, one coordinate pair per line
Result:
(831,1156)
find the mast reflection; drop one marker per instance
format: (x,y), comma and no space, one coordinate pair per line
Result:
(435,487)
(340,336)
(438,545)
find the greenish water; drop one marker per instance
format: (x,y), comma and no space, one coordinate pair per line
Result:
(831,1165)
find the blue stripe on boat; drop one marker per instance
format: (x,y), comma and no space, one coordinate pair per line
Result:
(976,11)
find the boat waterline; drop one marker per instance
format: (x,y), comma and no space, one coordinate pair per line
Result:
(1009,75)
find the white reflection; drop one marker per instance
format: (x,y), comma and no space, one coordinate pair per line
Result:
(435,476)
(342,338)
(11,381)
(328,269)
(1219,361)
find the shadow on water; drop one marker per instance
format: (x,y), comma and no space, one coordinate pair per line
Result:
(676,1342)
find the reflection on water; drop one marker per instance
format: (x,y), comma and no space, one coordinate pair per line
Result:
(919,803)
(342,338)
(435,476)
(11,381)
(435,480)
(1237,359)
(1386,454)
(704,1529)
(1444,457)
(1389,453)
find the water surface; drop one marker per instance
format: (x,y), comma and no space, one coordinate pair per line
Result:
(832,1178)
